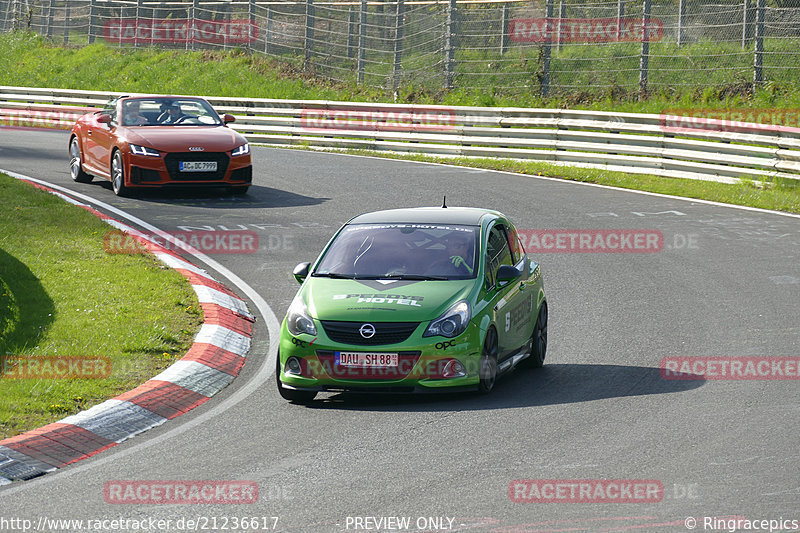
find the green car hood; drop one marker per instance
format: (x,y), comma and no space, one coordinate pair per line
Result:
(369,300)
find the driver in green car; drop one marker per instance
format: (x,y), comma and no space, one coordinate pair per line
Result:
(459,260)
(460,253)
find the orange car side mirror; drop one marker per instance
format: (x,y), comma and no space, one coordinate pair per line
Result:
(228,118)
(104,118)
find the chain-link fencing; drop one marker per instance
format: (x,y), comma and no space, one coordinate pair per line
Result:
(545,47)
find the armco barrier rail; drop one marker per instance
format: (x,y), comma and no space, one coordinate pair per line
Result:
(666,145)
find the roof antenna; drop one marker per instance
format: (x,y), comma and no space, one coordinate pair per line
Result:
(444,202)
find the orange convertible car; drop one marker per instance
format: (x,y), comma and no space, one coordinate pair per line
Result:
(159,141)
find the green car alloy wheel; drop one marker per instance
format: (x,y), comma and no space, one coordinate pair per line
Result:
(413,300)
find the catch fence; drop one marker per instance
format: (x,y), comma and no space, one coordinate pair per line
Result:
(545,47)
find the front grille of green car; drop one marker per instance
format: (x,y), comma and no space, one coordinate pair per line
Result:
(385,332)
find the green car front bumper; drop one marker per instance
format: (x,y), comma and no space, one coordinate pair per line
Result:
(423,364)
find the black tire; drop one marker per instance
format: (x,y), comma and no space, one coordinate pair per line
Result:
(76,163)
(538,340)
(239,191)
(488,362)
(296,396)
(118,174)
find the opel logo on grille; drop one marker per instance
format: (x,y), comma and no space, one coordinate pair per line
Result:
(196,148)
(367,331)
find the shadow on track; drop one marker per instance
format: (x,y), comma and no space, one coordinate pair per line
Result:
(257,196)
(551,385)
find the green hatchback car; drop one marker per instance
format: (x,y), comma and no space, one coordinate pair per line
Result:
(414,300)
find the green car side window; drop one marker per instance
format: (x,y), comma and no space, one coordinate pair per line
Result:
(497,252)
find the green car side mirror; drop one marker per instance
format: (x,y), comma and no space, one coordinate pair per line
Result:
(300,272)
(507,273)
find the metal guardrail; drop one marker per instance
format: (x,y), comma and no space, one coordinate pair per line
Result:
(666,145)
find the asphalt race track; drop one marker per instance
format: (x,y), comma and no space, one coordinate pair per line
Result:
(726,283)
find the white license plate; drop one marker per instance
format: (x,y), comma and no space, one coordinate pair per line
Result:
(198,166)
(365,359)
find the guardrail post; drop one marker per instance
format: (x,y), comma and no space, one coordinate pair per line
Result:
(352,30)
(449,45)
(548,43)
(398,45)
(268,33)
(681,21)
(66,24)
(362,41)
(758,59)
(505,37)
(193,14)
(251,16)
(49,29)
(139,5)
(748,15)
(92,19)
(308,44)
(644,58)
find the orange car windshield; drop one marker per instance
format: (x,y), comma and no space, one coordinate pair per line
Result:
(168,112)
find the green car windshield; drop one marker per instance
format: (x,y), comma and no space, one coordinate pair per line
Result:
(402,251)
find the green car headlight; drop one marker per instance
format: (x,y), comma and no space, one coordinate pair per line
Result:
(452,323)
(298,320)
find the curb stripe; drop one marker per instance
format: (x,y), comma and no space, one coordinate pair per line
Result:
(163,398)
(226,318)
(115,420)
(59,444)
(196,279)
(15,465)
(224,338)
(212,296)
(196,377)
(181,264)
(214,360)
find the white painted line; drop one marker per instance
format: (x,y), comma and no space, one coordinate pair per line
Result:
(224,338)
(208,295)
(196,377)
(176,262)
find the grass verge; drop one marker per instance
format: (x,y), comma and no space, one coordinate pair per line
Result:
(63,296)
